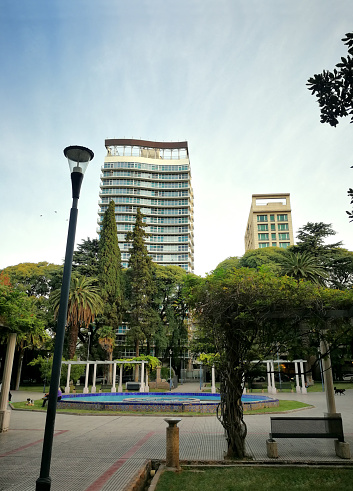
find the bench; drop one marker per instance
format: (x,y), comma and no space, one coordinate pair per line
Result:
(284,385)
(307,427)
(255,385)
(133,385)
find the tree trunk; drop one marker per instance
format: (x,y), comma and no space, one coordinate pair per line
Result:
(136,370)
(73,334)
(230,414)
(110,369)
(19,369)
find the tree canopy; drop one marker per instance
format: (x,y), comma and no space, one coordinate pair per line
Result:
(334,93)
(247,315)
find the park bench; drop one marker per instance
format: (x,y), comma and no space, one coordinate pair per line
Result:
(284,385)
(133,385)
(307,427)
(255,385)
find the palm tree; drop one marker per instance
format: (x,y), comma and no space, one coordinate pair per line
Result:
(303,266)
(84,305)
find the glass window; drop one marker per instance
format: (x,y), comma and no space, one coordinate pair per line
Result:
(282,218)
(262,227)
(264,244)
(273,236)
(272,218)
(283,226)
(283,236)
(284,245)
(274,244)
(263,236)
(273,226)
(262,218)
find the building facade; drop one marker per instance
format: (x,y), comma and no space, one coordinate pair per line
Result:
(270,222)
(155,177)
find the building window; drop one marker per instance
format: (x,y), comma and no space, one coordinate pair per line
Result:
(283,226)
(273,236)
(273,226)
(283,236)
(274,244)
(282,218)
(264,244)
(262,218)
(284,245)
(262,228)
(272,218)
(263,236)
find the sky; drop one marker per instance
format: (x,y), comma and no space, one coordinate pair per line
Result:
(228,76)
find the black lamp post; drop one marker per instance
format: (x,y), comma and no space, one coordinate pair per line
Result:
(170,370)
(78,158)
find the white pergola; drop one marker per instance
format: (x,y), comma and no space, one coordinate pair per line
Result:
(270,367)
(143,386)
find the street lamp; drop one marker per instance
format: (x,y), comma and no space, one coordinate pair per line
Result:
(170,370)
(201,376)
(89,338)
(78,158)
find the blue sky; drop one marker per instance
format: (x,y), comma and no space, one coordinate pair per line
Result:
(228,76)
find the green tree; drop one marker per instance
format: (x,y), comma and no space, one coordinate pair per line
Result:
(229,263)
(85,258)
(142,317)
(170,305)
(110,274)
(334,92)
(36,279)
(18,313)
(311,238)
(84,305)
(303,266)
(246,314)
(268,258)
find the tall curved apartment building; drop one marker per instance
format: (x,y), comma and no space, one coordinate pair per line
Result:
(155,177)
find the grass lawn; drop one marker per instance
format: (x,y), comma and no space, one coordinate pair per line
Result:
(257,478)
(283,406)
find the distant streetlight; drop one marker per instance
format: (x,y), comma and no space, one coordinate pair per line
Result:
(78,158)
(89,338)
(201,376)
(170,370)
(46,371)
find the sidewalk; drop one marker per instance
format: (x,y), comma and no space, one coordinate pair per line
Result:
(102,453)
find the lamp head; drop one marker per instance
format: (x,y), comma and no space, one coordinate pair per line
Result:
(78,158)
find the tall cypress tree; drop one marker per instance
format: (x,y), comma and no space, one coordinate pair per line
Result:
(142,317)
(110,274)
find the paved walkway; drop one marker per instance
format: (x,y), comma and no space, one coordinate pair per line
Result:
(102,453)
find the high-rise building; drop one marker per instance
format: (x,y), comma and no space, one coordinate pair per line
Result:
(270,222)
(155,177)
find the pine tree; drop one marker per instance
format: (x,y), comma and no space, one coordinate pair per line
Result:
(109,266)
(142,317)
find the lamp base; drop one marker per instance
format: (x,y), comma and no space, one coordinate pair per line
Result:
(43,484)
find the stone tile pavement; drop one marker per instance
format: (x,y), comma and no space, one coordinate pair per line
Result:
(94,453)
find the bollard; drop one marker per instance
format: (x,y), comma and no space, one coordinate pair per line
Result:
(172,457)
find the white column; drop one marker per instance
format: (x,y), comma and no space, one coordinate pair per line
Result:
(304,391)
(67,388)
(113,389)
(269,386)
(94,388)
(274,390)
(120,388)
(142,386)
(85,389)
(213,388)
(297,387)
(5,388)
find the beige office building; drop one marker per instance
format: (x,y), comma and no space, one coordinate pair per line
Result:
(270,222)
